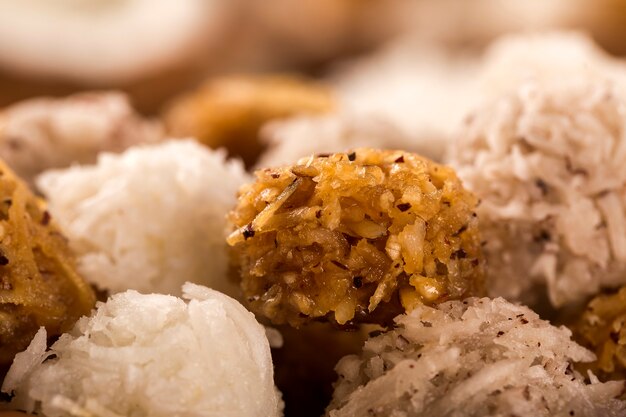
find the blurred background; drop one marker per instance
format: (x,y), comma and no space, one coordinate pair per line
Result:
(154,50)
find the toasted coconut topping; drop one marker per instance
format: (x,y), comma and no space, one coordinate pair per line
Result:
(355,237)
(39,285)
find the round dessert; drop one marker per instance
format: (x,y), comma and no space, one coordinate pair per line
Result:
(602,327)
(151,355)
(548,164)
(291,139)
(355,237)
(228,112)
(39,285)
(477,357)
(47,133)
(151,218)
(100,42)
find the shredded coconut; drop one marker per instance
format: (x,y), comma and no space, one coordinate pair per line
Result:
(477,357)
(151,218)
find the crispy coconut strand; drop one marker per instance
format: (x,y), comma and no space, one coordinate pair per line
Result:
(39,285)
(602,327)
(228,112)
(150,218)
(549,165)
(291,139)
(479,357)
(360,237)
(151,355)
(47,133)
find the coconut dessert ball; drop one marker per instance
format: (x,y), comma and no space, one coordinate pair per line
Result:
(39,284)
(151,355)
(101,42)
(150,218)
(545,58)
(46,133)
(229,111)
(424,89)
(355,237)
(291,139)
(478,357)
(602,327)
(549,165)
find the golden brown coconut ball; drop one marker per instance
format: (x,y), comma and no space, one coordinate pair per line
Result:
(602,328)
(39,285)
(355,238)
(228,112)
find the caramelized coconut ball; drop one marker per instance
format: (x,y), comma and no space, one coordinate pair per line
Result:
(602,328)
(228,112)
(39,285)
(356,237)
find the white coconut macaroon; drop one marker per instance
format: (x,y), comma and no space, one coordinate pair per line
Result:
(549,165)
(47,133)
(151,355)
(150,218)
(102,42)
(478,357)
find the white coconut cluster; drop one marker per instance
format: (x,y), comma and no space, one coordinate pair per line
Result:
(549,165)
(150,218)
(478,357)
(151,355)
(47,133)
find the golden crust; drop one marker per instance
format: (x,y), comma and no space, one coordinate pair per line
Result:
(228,112)
(39,285)
(357,237)
(602,328)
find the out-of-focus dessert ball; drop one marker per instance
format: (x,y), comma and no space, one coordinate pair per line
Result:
(101,42)
(355,237)
(476,357)
(229,112)
(41,134)
(39,284)
(549,165)
(150,218)
(280,31)
(151,355)
(294,138)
